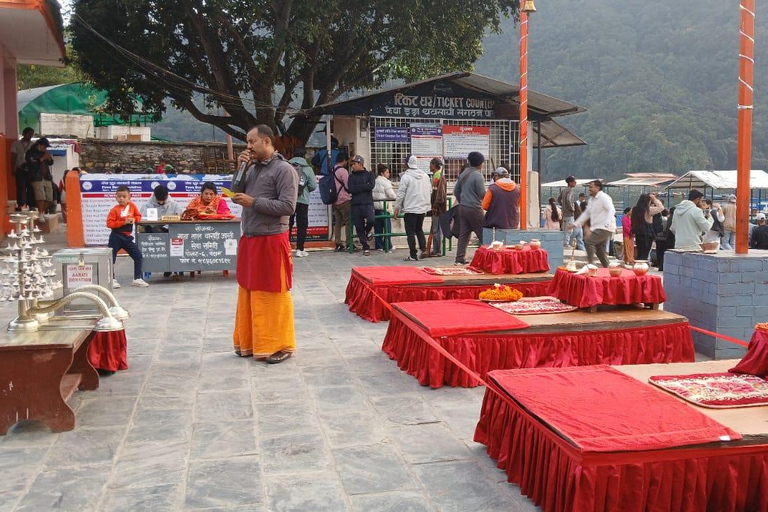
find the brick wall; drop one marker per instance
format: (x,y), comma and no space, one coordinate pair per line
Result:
(98,155)
(723,293)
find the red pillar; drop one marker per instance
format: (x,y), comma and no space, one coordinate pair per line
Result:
(744,144)
(523,120)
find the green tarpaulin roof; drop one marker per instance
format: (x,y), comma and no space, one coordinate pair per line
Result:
(75,98)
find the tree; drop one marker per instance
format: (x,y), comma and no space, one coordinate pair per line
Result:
(241,52)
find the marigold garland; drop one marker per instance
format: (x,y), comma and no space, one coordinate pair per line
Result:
(501,292)
(762,327)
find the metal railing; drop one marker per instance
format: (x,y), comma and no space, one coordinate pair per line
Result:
(386,235)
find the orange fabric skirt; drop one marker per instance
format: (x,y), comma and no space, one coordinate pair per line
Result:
(264,321)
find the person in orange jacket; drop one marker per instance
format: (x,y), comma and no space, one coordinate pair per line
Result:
(501,202)
(121,220)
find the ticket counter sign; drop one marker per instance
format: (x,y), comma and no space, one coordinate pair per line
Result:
(78,276)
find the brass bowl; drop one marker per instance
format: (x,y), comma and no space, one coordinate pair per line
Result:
(615,271)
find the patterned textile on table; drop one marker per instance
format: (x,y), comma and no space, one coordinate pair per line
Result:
(716,390)
(534,306)
(452,271)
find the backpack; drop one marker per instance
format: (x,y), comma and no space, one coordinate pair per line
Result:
(302,177)
(327,186)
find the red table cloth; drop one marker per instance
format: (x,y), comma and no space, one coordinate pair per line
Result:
(584,291)
(108,351)
(510,261)
(483,353)
(451,317)
(558,477)
(755,361)
(370,301)
(395,275)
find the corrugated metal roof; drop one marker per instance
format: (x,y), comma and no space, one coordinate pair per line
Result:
(719,180)
(644,179)
(550,134)
(537,102)
(563,184)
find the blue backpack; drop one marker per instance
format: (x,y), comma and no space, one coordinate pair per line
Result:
(327,187)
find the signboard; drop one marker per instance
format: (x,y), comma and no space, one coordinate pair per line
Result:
(441,100)
(78,276)
(154,252)
(390,134)
(98,196)
(459,141)
(426,143)
(203,246)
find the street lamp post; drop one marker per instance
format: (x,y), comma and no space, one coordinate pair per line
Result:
(744,144)
(525,10)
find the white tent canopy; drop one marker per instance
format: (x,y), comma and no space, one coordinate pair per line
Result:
(718,180)
(562,183)
(643,179)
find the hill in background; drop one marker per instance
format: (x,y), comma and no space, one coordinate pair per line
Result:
(659,81)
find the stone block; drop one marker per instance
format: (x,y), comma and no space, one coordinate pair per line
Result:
(735,289)
(745,311)
(735,300)
(747,265)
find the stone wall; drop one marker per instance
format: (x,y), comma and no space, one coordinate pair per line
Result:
(723,293)
(99,155)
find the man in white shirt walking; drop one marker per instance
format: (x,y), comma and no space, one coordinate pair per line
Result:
(602,216)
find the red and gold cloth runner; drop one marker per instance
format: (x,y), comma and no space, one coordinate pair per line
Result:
(452,271)
(716,390)
(534,306)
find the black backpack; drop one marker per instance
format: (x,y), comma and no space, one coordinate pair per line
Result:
(327,186)
(302,178)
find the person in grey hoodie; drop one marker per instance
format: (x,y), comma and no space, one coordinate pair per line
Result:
(469,192)
(414,200)
(164,205)
(692,219)
(307,183)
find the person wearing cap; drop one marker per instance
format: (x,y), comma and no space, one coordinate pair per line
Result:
(502,202)
(759,238)
(728,241)
(342,206)
(439,204)
(39,163)
(413,200)
(360,185)
(163,203)
(566,200)
(691,219)
(469,192)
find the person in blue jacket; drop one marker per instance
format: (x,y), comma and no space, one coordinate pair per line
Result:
(360,184)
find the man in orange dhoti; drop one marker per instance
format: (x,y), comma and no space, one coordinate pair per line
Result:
(264,318)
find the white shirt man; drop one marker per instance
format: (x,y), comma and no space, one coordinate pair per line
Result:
(602,216)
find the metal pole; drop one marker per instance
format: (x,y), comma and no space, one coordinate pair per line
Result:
(523,120)
(744,144)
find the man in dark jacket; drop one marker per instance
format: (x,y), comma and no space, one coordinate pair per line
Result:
(360,184)
(39,163)
(760,233)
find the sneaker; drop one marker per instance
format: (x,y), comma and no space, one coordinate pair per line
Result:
(366,252)
(461,263)
(339,248)
(423,254)
(391,250)
(115,285)
(139,283)
(299,254)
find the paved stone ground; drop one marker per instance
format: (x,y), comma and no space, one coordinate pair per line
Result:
(190,426)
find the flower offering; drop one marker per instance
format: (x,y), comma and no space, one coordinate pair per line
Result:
(501,292)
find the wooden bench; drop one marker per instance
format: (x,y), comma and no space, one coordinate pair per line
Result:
(39,372)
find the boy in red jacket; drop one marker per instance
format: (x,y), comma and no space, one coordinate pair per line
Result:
(120,220)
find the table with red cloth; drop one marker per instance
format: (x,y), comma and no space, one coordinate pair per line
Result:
(579,338)
(510,261)
(371,289)
(584,291)
(601,439)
